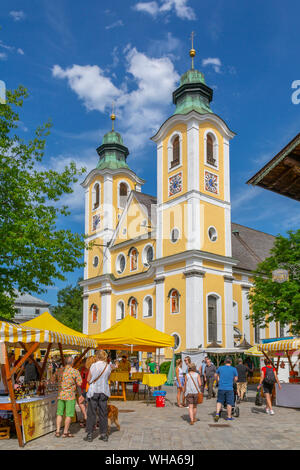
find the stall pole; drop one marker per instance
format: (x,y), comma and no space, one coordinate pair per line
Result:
(9,374)
(24,346)
(277,367)
(290,362)
(61,354)
(45,360)
(78,359)
(30,351)
(269,359)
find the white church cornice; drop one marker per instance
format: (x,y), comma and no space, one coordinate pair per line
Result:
(109,172)
(187,256)
(185,118)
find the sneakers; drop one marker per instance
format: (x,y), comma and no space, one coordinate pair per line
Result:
(229,419)
(88,438)
(271,412)
(103,438)
(268,411)
(216,418)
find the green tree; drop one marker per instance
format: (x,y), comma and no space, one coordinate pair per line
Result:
(70,307)
(273,301)
(33,252)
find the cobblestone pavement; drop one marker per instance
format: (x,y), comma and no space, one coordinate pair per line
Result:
(151,428)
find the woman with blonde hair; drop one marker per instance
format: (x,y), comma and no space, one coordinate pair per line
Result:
(192,386)
(179,382)
(97,395)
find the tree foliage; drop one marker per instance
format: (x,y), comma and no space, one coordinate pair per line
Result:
(273,301)
(33,252)
(70,307)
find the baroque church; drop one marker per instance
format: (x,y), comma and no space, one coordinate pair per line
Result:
(175,261)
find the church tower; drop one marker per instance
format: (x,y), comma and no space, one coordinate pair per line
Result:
(107,188)
(193,204)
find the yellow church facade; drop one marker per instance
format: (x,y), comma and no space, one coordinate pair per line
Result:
(174,261)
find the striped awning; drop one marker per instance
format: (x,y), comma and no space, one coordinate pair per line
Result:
(253,351)
(17,334)
(283,345)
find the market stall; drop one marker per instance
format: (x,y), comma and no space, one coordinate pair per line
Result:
(131,334)
(33,412)
(289,395)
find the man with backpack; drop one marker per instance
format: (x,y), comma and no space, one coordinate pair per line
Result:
(267,379)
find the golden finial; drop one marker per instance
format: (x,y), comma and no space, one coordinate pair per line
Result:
(192,51)
(113,117)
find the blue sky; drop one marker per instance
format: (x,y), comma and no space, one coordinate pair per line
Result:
(75,58)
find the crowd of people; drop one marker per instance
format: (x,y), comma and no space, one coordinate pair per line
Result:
(88,386)
(231,383)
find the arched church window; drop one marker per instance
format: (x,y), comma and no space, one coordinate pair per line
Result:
(176,152)
(212,318)
(120,314)
(210,150)
(147,310)
(133,253)
(96,196)
(133,307)
(174,299)
(123,194)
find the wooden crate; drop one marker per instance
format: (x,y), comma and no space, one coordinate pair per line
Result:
(5,433)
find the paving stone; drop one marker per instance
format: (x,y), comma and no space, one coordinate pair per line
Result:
(154,428)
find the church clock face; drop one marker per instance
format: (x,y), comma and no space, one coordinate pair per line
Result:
(211,182)
(175,184)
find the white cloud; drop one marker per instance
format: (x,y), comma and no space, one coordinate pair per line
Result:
(90,84)
(169,46)
(140,109)
(215,62)
(148,7)
(180,7)
(116,24)
(17,15)
(10,48)
(3,56)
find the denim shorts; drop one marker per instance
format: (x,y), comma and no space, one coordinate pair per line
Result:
(181,382)
(226,396)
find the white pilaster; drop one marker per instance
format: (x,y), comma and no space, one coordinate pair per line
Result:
(193,158)
(229,342)
(194,309)
(160,303)
(193,223)
(105,307)
(226,170)
(108,209)
(85,326)
(245,313)
(160,173)
(228,245)
(86,230)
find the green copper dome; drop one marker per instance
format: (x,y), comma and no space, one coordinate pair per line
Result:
(193,94)
(112,137)
(192,76)
(112,152)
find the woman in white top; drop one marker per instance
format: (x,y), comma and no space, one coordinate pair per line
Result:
(179,382)
(192,386)
(97,395)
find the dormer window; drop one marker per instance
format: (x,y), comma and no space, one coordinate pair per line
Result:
(176,152)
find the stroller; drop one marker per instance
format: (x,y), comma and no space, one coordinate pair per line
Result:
(235,408)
